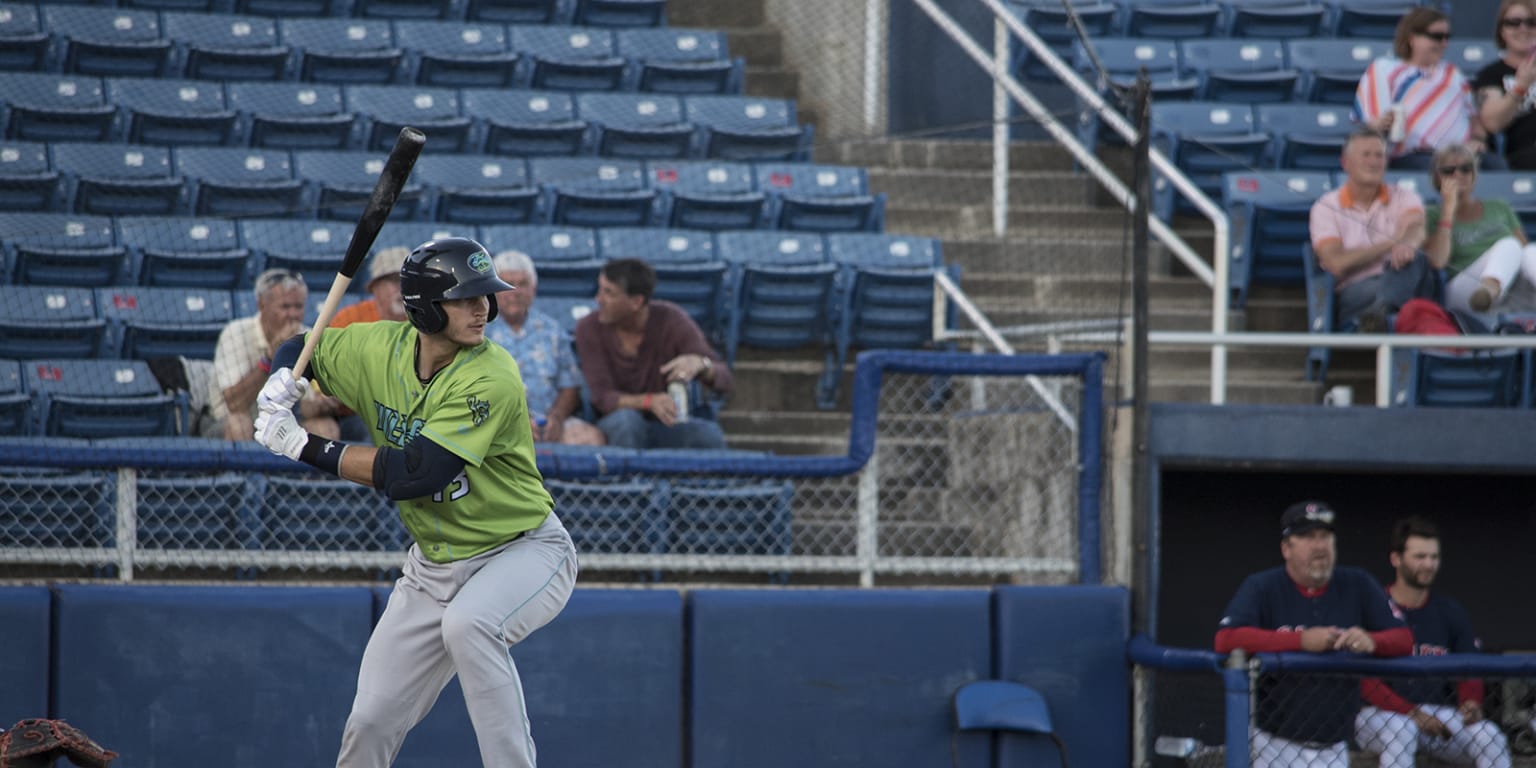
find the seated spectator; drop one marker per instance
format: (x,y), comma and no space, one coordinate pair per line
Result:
(384,284)
(242,360)
(1427,93)
(1505,101)
(631,348)
(1408,715)
(543,353)
(1480,241)
(1366,234)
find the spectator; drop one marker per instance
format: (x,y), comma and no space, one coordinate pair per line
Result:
(384,284)
(1505,101)
(1419,87)
(242,360)
(631,349)
(1311,605)
(543,353)
(1366,234)
(1405,716)
(1480,241)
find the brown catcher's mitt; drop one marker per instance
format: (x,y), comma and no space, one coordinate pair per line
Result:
(37,743)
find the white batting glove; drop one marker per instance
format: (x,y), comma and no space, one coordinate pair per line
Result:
(282,391)
(280,432)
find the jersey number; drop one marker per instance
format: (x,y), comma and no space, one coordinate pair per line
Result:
(456,490)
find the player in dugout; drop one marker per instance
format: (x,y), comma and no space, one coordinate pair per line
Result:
(490,562)
(1309,604)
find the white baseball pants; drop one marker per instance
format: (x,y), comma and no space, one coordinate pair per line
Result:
(1397,739)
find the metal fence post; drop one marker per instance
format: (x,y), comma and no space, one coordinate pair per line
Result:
(867,531)
(127,508)
(1235,678)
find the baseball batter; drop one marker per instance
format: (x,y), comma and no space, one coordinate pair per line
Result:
(1309,605)
(491,562)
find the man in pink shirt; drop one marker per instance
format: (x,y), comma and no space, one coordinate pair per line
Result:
(1367,235)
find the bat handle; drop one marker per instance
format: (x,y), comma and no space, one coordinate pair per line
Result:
(327,311)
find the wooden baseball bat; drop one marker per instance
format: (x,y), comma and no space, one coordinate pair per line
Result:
(391,180)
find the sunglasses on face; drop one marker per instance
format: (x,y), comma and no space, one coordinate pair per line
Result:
(1529,22)
(1452,170)
(1438,37)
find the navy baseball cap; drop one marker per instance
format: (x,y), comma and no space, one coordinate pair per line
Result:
(1303,516)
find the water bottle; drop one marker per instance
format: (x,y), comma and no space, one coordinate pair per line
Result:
(679,392)
(1399,127)
(538,422)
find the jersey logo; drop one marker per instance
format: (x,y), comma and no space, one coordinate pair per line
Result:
(479,410)
(395,426)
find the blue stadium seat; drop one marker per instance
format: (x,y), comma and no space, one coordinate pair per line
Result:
(566,257)
(404,9)
(1469,56)
(343,51)
(565,310)
(311,513)
(707,194)
(23,41)
(680,60)
(226,47)
(621,13)
(478,189)
(65,510)
(526,122)
(1274,19)
(1367,18)
(292,115)
(1122,59)
(183,510)
(1171,19)
(27,180)
(565,58)
(311,248)
(386,109)
(820,198)
(747,128)
(610,518)
(1321,312)
(62,249)
(15,403)
(1330,69)
(409,234)
(1416,182)
(172,112)
(100,398)
(107,42)
(148,322)
(49,107)
(49,321)
(1270,214)
(1051,22)
(636,125)
(240,182)
(1518,188)
(1485,378)
(186,252)
(1240,69)
(457,54)
(753,519)
(886,297)
(173,6)
(1306,136)
(120,179)
(284,9)
(341,184)
(688,273)
(594,192)
(782,290)
(1204,139)
(518,11)
(1003,707)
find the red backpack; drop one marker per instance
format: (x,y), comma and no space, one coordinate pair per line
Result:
(1423,316)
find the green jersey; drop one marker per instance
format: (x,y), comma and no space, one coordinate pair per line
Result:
(1471,239)
(475,408)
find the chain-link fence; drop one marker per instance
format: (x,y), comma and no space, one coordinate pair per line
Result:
(1300,709)
(960,467)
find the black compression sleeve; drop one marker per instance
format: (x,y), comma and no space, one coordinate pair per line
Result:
(422,469)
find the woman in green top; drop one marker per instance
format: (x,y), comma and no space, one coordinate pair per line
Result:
(1483,240)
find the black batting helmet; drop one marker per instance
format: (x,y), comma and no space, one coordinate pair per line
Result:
(446,269)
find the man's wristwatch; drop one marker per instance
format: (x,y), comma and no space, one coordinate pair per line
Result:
(708,365)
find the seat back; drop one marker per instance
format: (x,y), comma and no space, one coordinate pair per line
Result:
(611,518)
(526,122)
(310,513)
(566,257)
(782,290)
(478,189)
(1205,139)
(621,13)
(644,125)
(100,398)
(311,248)
(62,249)
(748,128)
(821,198)
(108,42)
(1330,68)
(568,58)
(1518,188)
(52,107)
(292,115)
(27,179)
(150,322)
(65,510)
(241,182)
(39,321)
(1306,136)
(1270,214)
(1496,378)
(226,47)
(679,60)
(1320,310)
(343,50)
(341,184)
(120,180)
(748,519)
(594,192)
(708,195)
(25,42)
(1240,69)
(458,54)
(1275,19)
(386,109)
(186,252)
(15,402)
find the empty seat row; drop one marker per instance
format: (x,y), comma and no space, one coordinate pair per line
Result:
(114,42)
(129,180)
(87,399)
(48,108)
(1190,19)
(599,13)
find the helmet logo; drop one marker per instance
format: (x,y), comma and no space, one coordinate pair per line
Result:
(480,262)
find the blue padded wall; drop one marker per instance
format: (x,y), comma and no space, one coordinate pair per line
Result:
(604,683)
(251,677)
(25,614)
(810,678)
(1069,644)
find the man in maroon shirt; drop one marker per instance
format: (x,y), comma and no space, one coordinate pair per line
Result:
(631,349)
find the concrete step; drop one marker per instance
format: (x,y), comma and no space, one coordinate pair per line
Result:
(760,46)
(940,219)
(917,187)
(800,423)
(1046,253)
(776,83)
(1264,391)
(1012,313)
(1077,289)
(949,155)
(1274,363)
(711,14)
